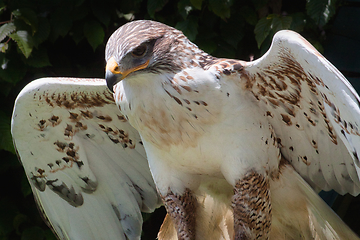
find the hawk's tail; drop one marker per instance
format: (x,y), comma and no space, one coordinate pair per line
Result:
(214,221)
(298,213)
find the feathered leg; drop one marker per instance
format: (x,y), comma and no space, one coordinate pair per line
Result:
(181,210)
(252,207)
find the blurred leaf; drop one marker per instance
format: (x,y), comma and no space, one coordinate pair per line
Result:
(208,46)
(6,29)
(225,50)
(80,12)
(280,23)
(39,58)
(5,133)
(78,3)
(196,3)
(4,47)
(154,6)
(43,31)
(6,88)
(77,32)
(270,24)
(320,10)
(12,70)
(298,22)
(259,3)
(221,7)
(24,41)
(28,16)
(262,29)
(7,164)
(21,25)
(189,27)
(232,31)
(18,220)
(94,33)
(101,11)
(184,8)
(145,216)
(25,186)
(33,233)
(249,14)
(60,22)
(317,45)
(8,210)
(49,235)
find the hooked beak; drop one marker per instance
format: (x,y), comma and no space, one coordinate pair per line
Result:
(113,75)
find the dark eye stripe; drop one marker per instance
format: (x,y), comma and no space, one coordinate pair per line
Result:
(139,51)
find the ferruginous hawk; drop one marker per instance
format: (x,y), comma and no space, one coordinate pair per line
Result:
(233,149)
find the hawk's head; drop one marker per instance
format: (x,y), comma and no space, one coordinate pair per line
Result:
(146,46)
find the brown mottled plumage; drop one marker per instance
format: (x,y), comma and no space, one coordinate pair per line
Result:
(182,210)
(251,204)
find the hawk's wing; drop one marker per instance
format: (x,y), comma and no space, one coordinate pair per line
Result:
(313,109)
(86,164)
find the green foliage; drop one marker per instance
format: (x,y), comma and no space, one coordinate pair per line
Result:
(154,6)
(101,11)
(189,27)
(269,25)
(321,10)
(249,15)
(5,136)
(221,7)
(24,41)
(67,38)
(6,29)
(60,22)
(197,4)
(28,16)
(94,33)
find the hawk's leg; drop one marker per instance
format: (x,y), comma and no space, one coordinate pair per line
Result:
(182,209)
(252,207)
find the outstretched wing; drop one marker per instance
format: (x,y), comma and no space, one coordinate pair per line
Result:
(85,163)
(313,109)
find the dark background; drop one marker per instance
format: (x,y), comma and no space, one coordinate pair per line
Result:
(67,38)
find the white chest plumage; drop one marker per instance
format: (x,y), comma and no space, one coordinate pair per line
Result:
(191,128)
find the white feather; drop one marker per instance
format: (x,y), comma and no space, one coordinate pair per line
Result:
(329,165)
(118,181)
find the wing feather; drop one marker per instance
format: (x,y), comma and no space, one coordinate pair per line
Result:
(86,164)
(313,109)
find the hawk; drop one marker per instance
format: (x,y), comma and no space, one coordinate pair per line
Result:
(233,149)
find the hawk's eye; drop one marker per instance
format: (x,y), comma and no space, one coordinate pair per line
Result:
(139,51)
